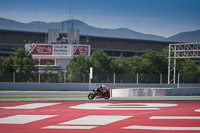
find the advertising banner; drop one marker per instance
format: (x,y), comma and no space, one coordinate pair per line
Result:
(58,49)
(81,50)
(61,49)
(41,49)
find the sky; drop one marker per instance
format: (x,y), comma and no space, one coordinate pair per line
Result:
(159,17)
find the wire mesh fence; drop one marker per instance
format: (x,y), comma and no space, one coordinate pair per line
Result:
(62,77)
(189,78)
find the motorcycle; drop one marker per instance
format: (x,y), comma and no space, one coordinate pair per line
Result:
(99,94)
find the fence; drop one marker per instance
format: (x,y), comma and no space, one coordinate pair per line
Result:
(61,77)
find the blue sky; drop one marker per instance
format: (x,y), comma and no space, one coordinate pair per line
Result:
(159,17)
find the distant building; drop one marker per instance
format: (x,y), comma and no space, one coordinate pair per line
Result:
(55,53)
(112,46)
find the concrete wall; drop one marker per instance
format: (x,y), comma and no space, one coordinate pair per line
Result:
(132,92)
(72,86)
(122,89)
(44,86)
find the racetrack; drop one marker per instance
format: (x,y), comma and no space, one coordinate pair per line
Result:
(79,95)
(100,116)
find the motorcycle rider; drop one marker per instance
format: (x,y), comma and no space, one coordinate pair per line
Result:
(101,89)
(99,92)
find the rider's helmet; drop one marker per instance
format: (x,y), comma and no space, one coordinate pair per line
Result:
(103,86)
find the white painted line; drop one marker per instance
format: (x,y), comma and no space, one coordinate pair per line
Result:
(123,106)
(23,119)
(111,108)
(106,106)
(69,127)
(197,110)
(144,105)
(96,120)
(161,128)
(31,106)
(174,117)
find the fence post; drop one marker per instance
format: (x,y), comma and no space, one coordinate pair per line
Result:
(39,77)
(161,78)
(114,78)
(13,77)
(64,77)
(137,78)
(84,77)
(90,75)
(178,84)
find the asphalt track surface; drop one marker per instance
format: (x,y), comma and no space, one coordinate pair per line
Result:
(80,96)
(100,117)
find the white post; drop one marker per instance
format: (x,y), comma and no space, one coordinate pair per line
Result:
(169,58)
(137,78)
(175,65)
(91,74)
(178,84)
(55,62)
(114,78)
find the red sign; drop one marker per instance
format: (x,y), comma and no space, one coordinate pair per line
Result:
(81,50)
(41,49)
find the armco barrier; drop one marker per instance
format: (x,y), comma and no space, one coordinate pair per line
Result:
(45,86)
(135,89)
(73,86)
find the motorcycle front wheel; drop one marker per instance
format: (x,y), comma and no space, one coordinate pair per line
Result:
(106,95)
(90,96)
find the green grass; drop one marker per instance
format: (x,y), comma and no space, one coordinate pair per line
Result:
(22,97)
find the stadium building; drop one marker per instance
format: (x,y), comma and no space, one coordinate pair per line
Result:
(59,49)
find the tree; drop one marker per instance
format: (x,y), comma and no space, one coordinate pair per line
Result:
(187,66)
(120,65)
(23,63)
(100,62)
(135,64)
(2,67)
(78,67)
(154,62)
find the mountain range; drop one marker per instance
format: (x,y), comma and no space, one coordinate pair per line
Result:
(85,29)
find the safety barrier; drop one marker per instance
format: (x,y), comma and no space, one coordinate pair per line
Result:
(120,89)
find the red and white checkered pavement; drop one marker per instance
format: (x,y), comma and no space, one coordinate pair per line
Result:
(90,117)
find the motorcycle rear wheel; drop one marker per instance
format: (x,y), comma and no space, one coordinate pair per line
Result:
(90,96)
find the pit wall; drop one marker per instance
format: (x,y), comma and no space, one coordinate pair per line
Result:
(124,90)
(132,92)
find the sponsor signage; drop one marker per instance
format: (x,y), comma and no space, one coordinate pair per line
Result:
(61,49)
(58,49)
(81,50)
(41,49)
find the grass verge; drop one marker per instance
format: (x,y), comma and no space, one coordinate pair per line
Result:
(20,97)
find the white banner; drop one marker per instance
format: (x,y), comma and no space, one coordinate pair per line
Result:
(61,49)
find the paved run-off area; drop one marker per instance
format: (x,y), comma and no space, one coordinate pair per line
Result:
(99,116)
(19,96)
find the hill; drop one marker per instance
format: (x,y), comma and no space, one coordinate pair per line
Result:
(38,26)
